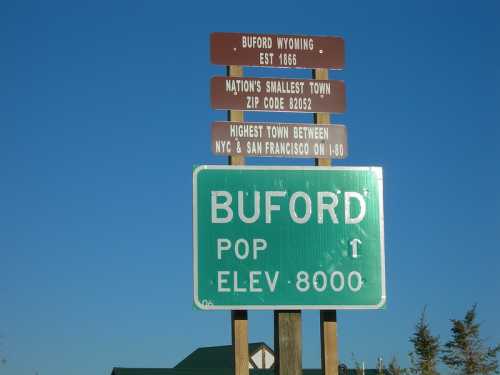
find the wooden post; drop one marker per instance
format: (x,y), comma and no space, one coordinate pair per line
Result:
(287,342)
(235,71)
(322,118)
(239,334)
(328,318)
(329,349)
(239,318)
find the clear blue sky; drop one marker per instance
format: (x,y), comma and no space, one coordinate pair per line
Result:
(104,109)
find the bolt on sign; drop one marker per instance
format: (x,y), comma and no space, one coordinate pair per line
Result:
(269,237)
(281,51)
(277,94)
(279,140)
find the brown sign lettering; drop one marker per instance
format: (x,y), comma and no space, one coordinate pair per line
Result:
(279,140)
(277,94)
(282,51)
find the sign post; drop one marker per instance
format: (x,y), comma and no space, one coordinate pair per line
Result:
(239,318)
(288,342)
(285,238)
(328,318)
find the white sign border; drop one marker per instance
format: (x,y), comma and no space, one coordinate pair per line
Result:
(208,306)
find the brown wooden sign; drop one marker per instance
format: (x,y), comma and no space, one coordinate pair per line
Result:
(281,51)
(279,140)
(277,94)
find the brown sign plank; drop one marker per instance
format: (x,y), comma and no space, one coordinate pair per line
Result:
(277,94)
(281,51)
(279,140)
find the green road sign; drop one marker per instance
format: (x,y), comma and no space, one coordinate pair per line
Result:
(288,237)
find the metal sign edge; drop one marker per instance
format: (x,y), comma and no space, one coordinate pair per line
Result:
(378,171)
(226,123)
(340,38)
(213,107)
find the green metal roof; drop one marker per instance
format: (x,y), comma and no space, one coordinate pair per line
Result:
(218,360)
(217,371)
(219,357)
(170,371)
